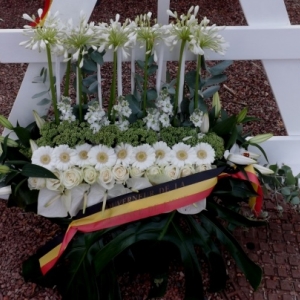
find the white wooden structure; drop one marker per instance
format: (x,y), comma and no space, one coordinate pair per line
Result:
(269,37)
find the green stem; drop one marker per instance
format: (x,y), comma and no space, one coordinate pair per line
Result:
(79,88)
(67,81)
(112,98)
(145,84)
(178,77)
(198,70)
(52,85)
(170,219)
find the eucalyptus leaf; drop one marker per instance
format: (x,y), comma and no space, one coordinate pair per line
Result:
(220,67)
(216,79)
(209,92)
(44,101)
(39,94)
(97,57)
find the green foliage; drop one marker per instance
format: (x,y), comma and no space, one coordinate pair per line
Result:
(283,182)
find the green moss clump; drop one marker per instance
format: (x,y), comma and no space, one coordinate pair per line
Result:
(138,136)
(174,135)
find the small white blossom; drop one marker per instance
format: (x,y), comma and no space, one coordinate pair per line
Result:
(197,117)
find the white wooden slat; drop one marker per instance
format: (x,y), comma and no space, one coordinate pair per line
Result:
(283,72)
(162,6)
(119,72)
(281,150)
(246,43)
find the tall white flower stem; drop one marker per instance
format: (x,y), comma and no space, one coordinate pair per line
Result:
(145,83)
(57,76)
(180,77)
(52,84)
(79,88)
(119,71)
(198,76)
(67,78)
(113,88)
(99,85)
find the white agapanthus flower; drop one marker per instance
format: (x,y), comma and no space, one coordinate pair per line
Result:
(205,154)
(182,154)
(43,157)
(149,35)
(143,157)
(102,156)
(77,39)
(116,35)
(44,33)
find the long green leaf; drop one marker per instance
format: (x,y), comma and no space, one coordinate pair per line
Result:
(218,275)
(251,270)
(31,170)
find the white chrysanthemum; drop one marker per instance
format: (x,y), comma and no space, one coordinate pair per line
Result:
(124,153)
(143,157)
(102,156)
(205,154)
(64,157)
(182,154)
(162,153)
(82,151)
(43,157)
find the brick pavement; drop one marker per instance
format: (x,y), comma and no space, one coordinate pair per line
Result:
(276,249)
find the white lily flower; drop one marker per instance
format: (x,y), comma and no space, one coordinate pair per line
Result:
(194,208)
(5,190)
(263,170)
(234,156)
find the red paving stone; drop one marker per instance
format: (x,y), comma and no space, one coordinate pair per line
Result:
(276,249)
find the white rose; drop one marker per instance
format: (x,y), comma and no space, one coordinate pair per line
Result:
(90,174)
(71,178)
(172,172)
(54,184)
(106,178)
(35,183)
(120,173)
(136,172)
(187,170)
(202,168)
(154,171)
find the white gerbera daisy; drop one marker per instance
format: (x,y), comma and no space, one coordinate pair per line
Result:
(102,156)
(124,153)
(182,154)
(205,154)
(162,153)
(43,157)
(143,157)
(64,157)
(82,151)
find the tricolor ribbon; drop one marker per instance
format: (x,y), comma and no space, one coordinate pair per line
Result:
(146,203)
(40,20)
